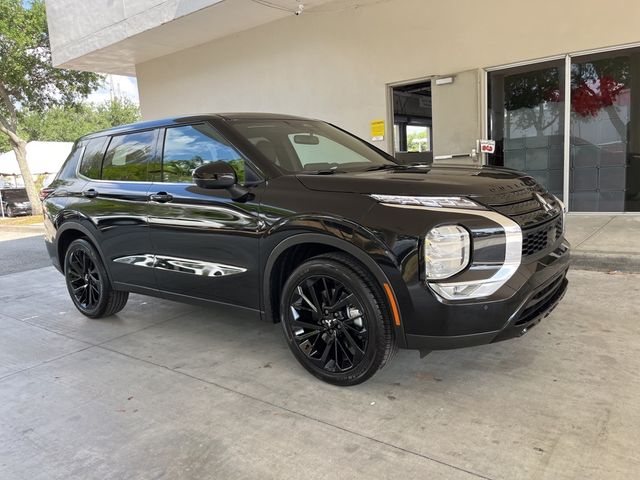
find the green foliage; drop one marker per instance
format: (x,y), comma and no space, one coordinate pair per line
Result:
(28,81)
(27,77)
(412,145)
(5,146)
(67,124)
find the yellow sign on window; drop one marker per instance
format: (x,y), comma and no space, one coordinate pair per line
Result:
(377,130)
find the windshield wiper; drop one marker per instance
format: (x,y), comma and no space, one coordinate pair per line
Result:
(386,166)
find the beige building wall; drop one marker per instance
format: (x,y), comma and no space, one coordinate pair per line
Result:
(336,65)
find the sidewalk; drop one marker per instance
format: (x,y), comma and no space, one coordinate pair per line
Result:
(9,232)
(604,242)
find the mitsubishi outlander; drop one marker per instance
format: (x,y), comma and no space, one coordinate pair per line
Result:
(353,253)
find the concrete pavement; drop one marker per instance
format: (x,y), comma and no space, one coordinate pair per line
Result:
(164,390)
(22,248)
(604,242)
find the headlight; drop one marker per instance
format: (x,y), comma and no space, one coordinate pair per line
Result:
(437,202)
(446,251)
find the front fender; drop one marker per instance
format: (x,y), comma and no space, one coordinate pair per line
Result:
(339,234)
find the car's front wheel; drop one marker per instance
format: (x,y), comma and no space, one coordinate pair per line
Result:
(88,283)
(336,320)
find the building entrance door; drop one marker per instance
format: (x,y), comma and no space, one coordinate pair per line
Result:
(526,119)
(412,123)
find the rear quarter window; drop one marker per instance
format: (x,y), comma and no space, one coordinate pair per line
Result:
(92,159)
(70,165)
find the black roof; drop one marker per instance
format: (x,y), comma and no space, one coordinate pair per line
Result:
(163,122)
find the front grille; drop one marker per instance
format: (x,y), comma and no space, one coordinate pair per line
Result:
(537,239)
(537,212)
(524,206)
(542,301)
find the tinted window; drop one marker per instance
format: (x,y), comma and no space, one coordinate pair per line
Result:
(127,157)
(188,147)
(92,158)
(68,169)
(15,195)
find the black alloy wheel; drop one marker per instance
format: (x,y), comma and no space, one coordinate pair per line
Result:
(88,283)
(336,320)
(328,324)
(84,279)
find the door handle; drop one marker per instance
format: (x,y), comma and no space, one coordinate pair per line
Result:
(91,193)
(161,197)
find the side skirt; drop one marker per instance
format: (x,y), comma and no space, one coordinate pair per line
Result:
(178,297)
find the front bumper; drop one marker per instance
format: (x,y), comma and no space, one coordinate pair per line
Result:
(538,288)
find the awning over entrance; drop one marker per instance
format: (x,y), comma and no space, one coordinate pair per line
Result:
(113,36)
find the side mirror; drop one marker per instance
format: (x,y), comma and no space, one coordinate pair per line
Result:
(215,175)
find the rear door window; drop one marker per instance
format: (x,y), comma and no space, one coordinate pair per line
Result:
(128,156)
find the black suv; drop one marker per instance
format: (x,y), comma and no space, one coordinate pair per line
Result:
(307,225)
(15,202)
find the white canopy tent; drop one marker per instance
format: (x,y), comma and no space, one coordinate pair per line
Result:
(44,158)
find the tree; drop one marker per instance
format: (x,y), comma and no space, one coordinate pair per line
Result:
(28,81)
(68,123)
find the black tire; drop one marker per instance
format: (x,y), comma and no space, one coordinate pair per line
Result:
(361,336)
(88,283)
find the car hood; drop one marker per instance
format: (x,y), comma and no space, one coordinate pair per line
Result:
(433,180)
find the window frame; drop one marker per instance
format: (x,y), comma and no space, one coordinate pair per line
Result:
(161,143)
(105,148)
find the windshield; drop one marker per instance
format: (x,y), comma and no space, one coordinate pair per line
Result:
(310,146)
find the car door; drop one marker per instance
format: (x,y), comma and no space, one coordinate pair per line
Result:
(205,242)
(115,201)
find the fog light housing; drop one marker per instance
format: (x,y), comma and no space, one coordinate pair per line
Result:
(446,251)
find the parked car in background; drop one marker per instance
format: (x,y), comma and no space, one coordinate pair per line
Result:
(307,225)
(15,202)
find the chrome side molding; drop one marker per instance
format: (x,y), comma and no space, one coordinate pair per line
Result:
(182,265)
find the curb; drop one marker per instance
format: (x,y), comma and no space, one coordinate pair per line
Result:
(606,262)
(37,228)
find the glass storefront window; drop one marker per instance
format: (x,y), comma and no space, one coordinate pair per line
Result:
(526,107)
(526,119)
(605,132)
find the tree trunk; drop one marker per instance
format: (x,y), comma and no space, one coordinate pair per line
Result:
(20,149)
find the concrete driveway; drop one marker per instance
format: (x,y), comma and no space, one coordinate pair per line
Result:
(165,390)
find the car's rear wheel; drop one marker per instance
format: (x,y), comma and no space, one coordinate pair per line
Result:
(336,320)
(88,283)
